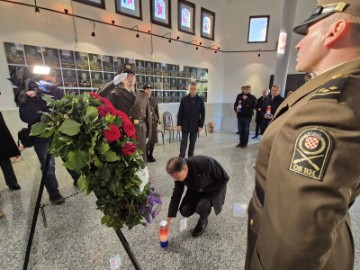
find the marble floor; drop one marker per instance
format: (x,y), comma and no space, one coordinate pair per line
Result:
(75,239)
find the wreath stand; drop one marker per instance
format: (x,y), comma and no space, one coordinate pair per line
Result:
(119,233)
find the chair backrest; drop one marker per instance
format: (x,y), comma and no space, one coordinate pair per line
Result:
(167,120)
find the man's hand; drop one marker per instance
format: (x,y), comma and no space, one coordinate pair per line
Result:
(31,93)
(178,128)
(119,78)
(199,129)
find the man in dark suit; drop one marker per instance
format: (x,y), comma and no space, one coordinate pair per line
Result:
(123,95)
(206,182)
(190,119)
(269,106)
(259,116)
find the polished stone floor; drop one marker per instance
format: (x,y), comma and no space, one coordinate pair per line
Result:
(75,239)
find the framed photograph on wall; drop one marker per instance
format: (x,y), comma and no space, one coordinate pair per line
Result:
(161,12)
(258,29)
(95,3)
(207,24)
(131,8)
(186,17)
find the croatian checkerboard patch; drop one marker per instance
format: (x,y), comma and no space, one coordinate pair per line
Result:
(312,150)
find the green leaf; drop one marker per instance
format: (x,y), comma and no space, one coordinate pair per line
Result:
(38,129)
(97,161)
(111,156)
(76,159)
(91,114)
(70,127)
(83,183)
(102,147)
(106,220)
(109,118)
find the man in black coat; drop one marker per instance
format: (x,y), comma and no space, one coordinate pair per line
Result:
(259,116)
(190,119)
(206,182)
(8,149)
(244,108)
(270,105)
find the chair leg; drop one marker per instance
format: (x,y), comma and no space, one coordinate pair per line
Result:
(205,131)
(162,134)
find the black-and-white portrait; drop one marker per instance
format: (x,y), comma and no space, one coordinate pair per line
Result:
(69,76)
(140,68)
(96,79)
(51,57)
(33,55)
(67,59)
(14,53)
(82,60)
(83,77)
(95,61)
(107,62)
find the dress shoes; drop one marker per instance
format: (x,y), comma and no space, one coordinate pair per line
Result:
(151,159)
(255,137)
(238,132)
(1,215)
(200,227)
(57,199)
(15,187)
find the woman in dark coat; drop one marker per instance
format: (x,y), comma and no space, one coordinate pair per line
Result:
(8,149)
(154,122)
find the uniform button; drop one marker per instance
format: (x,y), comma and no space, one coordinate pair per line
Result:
(251,222)
(130,110)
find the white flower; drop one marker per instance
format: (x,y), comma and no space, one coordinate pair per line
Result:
(143,174)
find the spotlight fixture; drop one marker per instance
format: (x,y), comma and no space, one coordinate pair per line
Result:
(137,30)
(66,11)
(93,32)
(200,43)
(215,51)
(197,47)
(37,10)
(214,47)
(169,33)
(112,22)
(169,41)
(177,37)
(259,53)
(149,31)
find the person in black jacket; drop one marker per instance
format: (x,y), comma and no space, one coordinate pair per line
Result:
(244,108)
(259,116)
(206,182)
(270,105)
(8,149)
(190,119)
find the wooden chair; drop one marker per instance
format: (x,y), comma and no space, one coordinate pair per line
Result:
(159,130)
(169,125)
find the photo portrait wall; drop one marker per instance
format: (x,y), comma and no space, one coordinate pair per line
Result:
(77,72)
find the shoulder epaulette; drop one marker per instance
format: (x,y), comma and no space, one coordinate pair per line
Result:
(331,89)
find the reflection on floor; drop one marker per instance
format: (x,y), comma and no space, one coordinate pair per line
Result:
(75,239)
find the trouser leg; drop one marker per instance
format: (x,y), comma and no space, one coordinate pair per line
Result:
(193,137)
(183,144)
(8,171)
(51,182)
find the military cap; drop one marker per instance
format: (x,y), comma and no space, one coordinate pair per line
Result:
(126,68)
(147,85)
(324,9)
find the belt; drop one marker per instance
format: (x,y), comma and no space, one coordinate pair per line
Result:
(137,121)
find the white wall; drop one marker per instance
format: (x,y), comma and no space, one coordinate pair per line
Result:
(227,71)
(21,24)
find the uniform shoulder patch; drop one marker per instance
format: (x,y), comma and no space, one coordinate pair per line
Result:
(331,89)
(312,150)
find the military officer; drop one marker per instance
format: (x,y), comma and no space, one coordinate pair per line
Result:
(134,103)
(154,122)
(307,174)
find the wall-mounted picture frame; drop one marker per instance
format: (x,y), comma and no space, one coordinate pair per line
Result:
(186,17)
(161,12)
(130,8)
(258,29)
(207,24)
(94,3)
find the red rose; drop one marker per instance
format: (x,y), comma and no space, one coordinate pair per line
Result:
(128,148)
(95,95)
(105,110)
(128,128)
(106,102)
(112,134)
